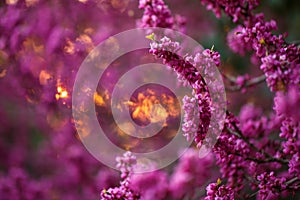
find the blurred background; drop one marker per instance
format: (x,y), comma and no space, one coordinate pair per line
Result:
(43,43)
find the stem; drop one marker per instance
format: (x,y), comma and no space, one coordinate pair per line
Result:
(293,180)
(249,83)
(253,194)
(229,78)
(272,159)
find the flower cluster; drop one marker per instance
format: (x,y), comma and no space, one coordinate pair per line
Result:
(217,191)
(183,182)
(125,165)
(286,102)
(191,115)
(280,61)
(157,14)
(188,177)
(188,71)
(294,165)
(290,126)
(270,185)
(244,147)
(151,185)
(235,9)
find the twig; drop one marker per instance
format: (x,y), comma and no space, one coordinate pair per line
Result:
(249,83)
(287,183)
(293,180)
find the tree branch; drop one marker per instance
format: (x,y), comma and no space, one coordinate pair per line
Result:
(249,83)
(269,158)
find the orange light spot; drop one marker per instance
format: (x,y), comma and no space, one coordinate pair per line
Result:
(84,38)
(151,107)
(11,2)
(87,41)
(59,89)
(62,93)
(33,44)
(70,47)
(99,99)
(89,30)
(44,77)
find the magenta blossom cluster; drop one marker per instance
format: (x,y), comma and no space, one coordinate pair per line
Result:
(125,165)
(185,181)
(191,115)
(187,73)
(270,185)
(279,61)
(157,14)
(217,191)
(235,9)
(244,150)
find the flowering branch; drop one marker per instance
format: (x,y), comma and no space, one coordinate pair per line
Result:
(237,132)
(287,183)
(280,61)
(228,161)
